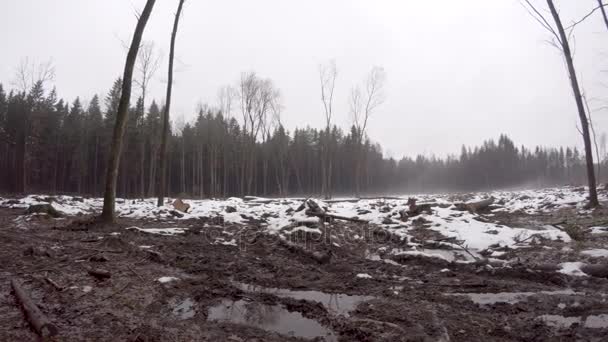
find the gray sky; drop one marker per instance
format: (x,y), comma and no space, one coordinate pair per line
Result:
(458,72)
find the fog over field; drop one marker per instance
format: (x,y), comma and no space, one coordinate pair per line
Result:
(458,72)
(271,171)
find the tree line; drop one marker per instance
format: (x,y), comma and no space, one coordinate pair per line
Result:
(57,147)
(53,146)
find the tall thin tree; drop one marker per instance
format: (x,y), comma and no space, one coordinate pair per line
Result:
(108,214)
(148,63)
(601,5)
(163,144)
(362,106)
(561,41)
(327,76)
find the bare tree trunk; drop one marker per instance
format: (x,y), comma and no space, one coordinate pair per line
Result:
(153,163)
(601,4)
(225,175)
(96,163)
(121,117)
(593,201)
(201,174)
(183,167)
(165,134)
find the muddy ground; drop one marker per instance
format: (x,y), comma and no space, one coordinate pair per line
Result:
(232,292)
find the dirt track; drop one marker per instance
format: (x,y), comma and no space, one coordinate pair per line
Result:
(226,292)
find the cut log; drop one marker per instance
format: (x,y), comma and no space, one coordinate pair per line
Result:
(336,217)
(37,319)
(417,209)
(180,205)
(100,274)
(43,209)
(474,207)
(314,207)
(258,200)
(597,270)
(302,206)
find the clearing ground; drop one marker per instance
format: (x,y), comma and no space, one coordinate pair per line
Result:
(528,266)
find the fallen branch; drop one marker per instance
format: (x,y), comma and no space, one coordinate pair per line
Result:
(55,285)
(336,217)
(137,274)
(464,248)
(474,207)
(117,291)
(96,250)
(381,323)
(37,319)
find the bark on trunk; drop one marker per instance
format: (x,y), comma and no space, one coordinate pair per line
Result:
(601,4)
(165,134)
(593,201)
(41,324)
(121,117)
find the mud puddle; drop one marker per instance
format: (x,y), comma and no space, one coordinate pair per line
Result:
(183,309)
(509,297)
(270,318)
(335,303)
(591,322)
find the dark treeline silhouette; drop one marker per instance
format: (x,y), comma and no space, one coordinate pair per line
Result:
(51,146)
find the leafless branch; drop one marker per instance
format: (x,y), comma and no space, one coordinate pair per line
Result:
(540,18)
(327,75)
(573,25)
(148,62)
(29,72)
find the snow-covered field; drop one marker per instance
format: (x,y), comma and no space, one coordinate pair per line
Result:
(478,232)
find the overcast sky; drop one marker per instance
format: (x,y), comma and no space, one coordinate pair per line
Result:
(458,72)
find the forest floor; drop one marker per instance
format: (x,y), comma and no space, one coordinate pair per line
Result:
(204,279)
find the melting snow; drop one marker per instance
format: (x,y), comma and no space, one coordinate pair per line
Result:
(573,269)
(364,276)
(166,279)
(599,230)
(277,214)
(305,229)
(596,253)
(160,231)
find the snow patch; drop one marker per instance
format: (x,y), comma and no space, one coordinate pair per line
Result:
(363,276)
(572,268)
(166,279)
(596,253)
(160,231)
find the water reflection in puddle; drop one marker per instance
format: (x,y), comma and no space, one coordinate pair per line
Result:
(183,309)
(336,303)
(269,317)
(591,322)
(508,297)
